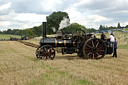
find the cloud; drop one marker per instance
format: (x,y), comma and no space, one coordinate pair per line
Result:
(20,21)
(87,19)
(109,12)
(26,6)
(5,6)
(5,23)
(30,17)
(90,13)
(98,18)
(40,6)
(51,5)
(8,17)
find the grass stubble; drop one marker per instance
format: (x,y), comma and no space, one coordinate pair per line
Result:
(19,66)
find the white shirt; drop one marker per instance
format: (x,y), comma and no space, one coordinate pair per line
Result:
(112,39)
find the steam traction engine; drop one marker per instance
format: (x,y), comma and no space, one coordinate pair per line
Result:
(85,45)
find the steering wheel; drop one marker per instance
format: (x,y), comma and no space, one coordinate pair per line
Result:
(77,35)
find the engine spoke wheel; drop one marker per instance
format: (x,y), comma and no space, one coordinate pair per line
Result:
(94,48)
(47,52)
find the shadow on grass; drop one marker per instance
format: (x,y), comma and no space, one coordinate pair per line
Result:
(109,57)
(69,57)
(73,57)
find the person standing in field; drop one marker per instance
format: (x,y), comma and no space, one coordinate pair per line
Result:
(115,49)
(103,36)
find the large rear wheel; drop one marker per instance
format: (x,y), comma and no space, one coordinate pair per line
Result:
(94,48)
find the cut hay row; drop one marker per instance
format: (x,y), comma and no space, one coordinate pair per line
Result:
(29,43)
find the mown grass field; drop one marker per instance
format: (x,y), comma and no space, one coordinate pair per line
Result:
(19,66)
(5,36)
(126,30)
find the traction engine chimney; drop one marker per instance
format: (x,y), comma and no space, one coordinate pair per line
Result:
(44,29)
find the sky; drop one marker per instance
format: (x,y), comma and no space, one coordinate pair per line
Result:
(21,14)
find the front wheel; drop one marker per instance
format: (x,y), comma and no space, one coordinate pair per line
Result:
(47,52)
(94,48)
(37,52)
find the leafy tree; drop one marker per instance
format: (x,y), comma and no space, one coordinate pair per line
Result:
(4,32)
(74,26)
(118,26)
(9,31)
(111,27)
(126,26)
(54,20)
(91,30)
(29,33)
(16,32)
(38,30)
(102,28)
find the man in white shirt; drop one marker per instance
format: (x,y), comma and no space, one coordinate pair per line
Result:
(112,40)
(111,37)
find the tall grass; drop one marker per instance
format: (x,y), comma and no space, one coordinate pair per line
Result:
(122,39)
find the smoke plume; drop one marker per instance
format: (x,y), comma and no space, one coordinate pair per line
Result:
(64,23)
(54,29)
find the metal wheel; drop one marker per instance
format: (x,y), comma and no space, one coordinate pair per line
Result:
(77,35)
(47,52)
(94,48)
(37,52)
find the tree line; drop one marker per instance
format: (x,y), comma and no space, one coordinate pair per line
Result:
(103,28)
(54,22)
(30,32)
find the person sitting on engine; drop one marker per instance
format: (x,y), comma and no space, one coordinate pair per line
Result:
(112,40)
(103,36)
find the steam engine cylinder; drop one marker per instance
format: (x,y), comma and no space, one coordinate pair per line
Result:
(56,42)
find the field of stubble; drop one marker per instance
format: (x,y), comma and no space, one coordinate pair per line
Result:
(19,66)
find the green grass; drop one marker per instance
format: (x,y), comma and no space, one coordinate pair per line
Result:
(118,31)
(126,30)
(82,82)
(5,36)
(57,77)
(123,46)
(123,39)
